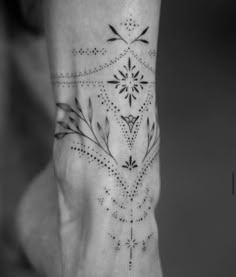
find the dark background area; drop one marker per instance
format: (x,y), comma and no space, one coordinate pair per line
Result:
(196,100)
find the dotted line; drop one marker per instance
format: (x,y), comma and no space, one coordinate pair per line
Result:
(81,83)
(144,63)
(91,71)
(87,51)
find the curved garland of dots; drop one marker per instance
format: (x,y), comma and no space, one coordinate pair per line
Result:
(73,84)
(102,162)
(144,63)
(110,106)
(90,71)
(138,183)
(145,199)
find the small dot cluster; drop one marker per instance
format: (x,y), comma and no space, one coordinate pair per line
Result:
(130,24)
(88,52)
(117,243)
(76,83)
(144,242)
(118,217)
(142,61)
(140,219)
(152,53)
(90,71)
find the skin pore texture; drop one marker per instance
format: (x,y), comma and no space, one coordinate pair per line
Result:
(106,152)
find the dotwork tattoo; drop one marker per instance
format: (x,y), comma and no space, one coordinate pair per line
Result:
(130,120)
(130,164)
(129,82)
(129,129)
(73,84)
(152,53)
(99,68)
(72,126)
(89,52)
(124,201)
(130,27)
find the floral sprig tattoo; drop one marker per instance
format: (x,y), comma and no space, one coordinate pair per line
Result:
(72,126)
(151,137)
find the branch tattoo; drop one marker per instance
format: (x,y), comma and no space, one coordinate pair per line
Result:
(129,86)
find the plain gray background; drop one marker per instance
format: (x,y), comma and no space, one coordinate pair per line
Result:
(197,112)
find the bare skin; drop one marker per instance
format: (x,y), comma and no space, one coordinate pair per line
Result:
(104,181)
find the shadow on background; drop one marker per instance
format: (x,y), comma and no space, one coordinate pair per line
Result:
(196,100)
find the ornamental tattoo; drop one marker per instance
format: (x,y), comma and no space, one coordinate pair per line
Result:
(131,201)
(71,126)
(129,81)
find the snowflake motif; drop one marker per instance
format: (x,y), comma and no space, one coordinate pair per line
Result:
(130,121)
(130,164)
(129,81)
(131,243)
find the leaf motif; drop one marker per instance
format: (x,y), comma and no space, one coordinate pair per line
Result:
(148,126)
(64,107)
(114,30)
(122,90)
(90,111)
(63,125)
(122,74)
(60,135)
(113,39)
(101,131)
(113,82)
(129,64)
(130,100)
(107,128)
(144,31)
(78,105)
(143,40)
(137,73)
(75,123)
(152,131)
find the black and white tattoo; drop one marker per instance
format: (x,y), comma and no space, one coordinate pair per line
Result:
(131,203)
(129,81)
(89,51)
(71,126)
